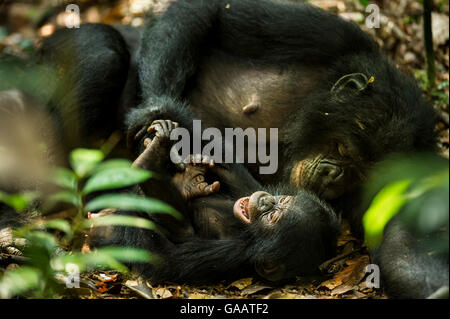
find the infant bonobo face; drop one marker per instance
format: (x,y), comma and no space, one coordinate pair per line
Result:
(262,206)
(290,235)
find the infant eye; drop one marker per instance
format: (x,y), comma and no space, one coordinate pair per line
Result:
(273,216)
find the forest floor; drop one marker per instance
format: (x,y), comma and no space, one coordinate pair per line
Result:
(24,23)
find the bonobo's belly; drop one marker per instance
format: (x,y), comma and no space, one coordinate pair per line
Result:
(229,92)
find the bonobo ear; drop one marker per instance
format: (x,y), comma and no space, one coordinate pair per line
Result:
(356,81)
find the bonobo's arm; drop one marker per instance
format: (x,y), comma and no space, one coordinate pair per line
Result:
(178,187)
(172,47)
(156,158)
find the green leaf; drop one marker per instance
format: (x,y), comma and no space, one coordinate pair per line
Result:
(385,205)
(364,3)
(108,257)
(112,164)
(18,281)
(38,238)
(18,201)
(126,254)
(115,178)
(66,197)
(65,178)
(83,160)
(119,220)
(59,224)
(131,202)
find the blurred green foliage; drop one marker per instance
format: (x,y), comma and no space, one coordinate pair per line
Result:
(46,261)
(415,189)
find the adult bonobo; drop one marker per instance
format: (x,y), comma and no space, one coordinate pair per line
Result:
(279,236)
(339,104)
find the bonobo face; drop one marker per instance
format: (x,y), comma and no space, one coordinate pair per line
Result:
(290,235)
(261,206)
(332,172)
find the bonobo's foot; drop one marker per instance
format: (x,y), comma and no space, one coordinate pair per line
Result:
(157,147)
(191,182)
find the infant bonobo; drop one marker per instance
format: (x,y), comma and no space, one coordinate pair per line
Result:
(237,226)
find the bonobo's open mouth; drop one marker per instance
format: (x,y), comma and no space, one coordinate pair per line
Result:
(240,209)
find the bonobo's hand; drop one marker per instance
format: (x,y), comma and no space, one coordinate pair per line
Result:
(191,182)
(156,152)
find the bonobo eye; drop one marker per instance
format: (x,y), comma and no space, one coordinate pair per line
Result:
(273,216)
(342,150)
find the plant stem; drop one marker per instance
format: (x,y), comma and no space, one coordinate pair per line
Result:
(429,51)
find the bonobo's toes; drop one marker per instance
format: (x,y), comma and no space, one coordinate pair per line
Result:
(214,187)
(199,159)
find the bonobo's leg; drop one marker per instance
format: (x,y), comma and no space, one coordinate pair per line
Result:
(407,269)
(90,71)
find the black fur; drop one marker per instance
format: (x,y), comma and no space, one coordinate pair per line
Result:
(389,116)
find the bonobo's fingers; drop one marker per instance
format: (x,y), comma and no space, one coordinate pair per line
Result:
(198,187)
(203,160)
(205,189)
(206,160)
(158,128)
(213,188)
(147,142)
(140,133)
(170,125)
(162,127)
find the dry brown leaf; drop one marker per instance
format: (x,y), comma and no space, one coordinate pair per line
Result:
(162,293)
(332,283)
(352,275)
(253,289)
(282,295)
(342,289)
(197,295)
(241,283)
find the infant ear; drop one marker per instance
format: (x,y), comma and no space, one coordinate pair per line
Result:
(354,81)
